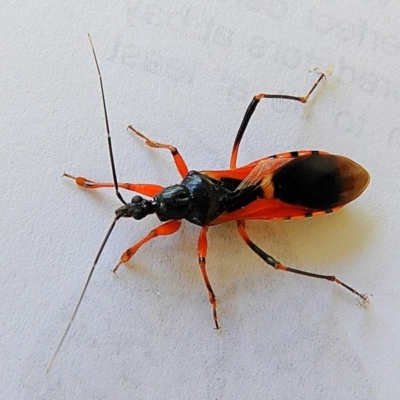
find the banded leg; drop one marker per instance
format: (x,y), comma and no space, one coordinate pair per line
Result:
(251,108)
(142,188)
(179,161)
(202,253)
(168,228)
(277,265)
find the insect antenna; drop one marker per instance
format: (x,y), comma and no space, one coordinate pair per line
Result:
(110,229)
(110,150)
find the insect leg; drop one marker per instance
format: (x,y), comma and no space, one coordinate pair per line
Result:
(179,161)
(277,265)
(168,228)
(142,188)
(202,253)
(251,108)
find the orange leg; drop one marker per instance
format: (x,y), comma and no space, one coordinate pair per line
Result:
(277,265)
(168,228)
(202,253)
(251,108)
(179,161)
(142,188)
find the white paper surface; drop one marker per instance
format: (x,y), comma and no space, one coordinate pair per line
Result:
(184,73)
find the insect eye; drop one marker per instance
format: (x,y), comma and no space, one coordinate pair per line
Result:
(137,199)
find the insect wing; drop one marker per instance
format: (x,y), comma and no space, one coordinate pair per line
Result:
(260,175)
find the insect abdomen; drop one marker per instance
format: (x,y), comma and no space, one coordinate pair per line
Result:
(320,181)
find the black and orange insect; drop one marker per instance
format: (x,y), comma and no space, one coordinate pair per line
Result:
(298,184)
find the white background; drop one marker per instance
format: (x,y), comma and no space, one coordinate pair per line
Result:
(184,73)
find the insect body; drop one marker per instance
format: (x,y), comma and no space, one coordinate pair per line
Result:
(280,187)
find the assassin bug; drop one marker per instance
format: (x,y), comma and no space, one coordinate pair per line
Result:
(284,186)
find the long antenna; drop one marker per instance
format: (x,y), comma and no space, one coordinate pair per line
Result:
(110,151)
(81,295)
(110,229)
